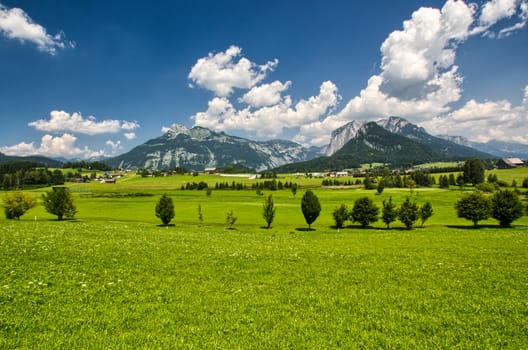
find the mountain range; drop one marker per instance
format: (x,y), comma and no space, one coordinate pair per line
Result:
(199,148)
(392,140)
(501,149)
(37,160)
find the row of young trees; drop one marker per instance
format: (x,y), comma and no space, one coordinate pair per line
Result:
(365,212)
(504,206)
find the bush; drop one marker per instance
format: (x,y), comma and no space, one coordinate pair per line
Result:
(340,215)
(165,209)
(59,202)
(487,187)
(408,213)
(506,207)
(17,204)
(364,211)
(474,206)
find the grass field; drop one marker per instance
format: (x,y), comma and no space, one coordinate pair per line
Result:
(112,278)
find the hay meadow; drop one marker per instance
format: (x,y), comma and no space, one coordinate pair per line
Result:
(114,278)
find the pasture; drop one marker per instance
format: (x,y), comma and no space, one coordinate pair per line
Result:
(113,278)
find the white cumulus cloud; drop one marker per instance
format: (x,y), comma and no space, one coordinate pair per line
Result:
(484,121)
(265,94)
(53,146)
(16,24)
(419,78)
(223,72)
(270,120)
(61,121)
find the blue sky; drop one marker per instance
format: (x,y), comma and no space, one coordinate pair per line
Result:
(93,78)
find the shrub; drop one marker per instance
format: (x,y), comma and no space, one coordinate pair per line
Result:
(59,202)
(17,204)
(506,207)
(487,187)
(340,215)
(165,209)
(364,211)
(474,206)
(408,213)
(310,207)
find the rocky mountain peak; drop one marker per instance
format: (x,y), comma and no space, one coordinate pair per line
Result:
(342,135)
(177,129)
(393,124)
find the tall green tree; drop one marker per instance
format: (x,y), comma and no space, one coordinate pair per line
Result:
(389,213)
(310,207)
(17,204)
(165,209)
(425,212)
(473,171)
(474,206)
(59,202)
(364,211)
(506,207)
(268,210)
(340,215)
(408,213)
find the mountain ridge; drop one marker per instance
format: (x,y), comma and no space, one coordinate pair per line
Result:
(199,148)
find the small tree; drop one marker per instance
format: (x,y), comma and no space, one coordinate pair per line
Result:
(408,213)
(59,202)
(506,207)
(425,212)
(474,206)
(17,204)
(411,184)
(310,207)
(364,211)
(389,213)
(294,189)
(340,215)
(381,187)
(230,219)
(268,210)
(165,209)
(200,215)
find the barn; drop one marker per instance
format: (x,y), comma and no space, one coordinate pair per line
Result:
(508,163)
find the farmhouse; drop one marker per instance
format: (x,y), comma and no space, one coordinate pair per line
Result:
(507,163)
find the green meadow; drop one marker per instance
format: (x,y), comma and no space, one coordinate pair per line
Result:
(114,278)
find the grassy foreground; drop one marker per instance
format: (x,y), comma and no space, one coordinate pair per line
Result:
(97,284)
